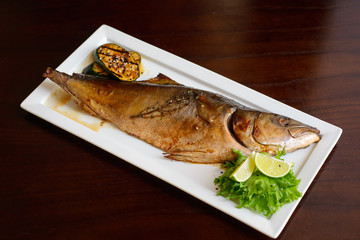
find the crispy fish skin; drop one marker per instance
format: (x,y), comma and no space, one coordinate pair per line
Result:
(187,124)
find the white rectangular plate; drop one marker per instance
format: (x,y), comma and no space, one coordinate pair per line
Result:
(48,101)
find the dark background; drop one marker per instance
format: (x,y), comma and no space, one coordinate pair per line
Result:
(54,185)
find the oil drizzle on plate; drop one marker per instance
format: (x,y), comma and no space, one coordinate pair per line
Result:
(61,102)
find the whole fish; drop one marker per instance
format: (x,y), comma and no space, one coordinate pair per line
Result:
(187,124)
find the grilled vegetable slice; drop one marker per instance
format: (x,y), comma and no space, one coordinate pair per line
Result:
(136,57)
(95,69)
(117,61)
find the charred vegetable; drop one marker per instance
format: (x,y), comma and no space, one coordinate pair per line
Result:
(118,62)
(95,69)
(136,57)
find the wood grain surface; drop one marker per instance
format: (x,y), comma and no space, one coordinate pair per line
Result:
(53,185)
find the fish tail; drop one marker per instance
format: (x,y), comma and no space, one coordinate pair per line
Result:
(57,77)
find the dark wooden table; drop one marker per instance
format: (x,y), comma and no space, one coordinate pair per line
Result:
(54,185)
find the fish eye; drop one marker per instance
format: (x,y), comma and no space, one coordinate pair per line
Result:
(284,122)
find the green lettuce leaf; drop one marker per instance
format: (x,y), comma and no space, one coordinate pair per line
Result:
(259,193)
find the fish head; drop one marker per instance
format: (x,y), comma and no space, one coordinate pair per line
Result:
(273,129)
(269,132)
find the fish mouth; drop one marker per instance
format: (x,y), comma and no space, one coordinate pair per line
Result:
(298,131)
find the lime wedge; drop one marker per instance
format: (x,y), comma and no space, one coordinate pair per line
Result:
(271,167)
(244,170)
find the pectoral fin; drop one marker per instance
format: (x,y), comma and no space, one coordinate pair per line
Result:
(206,110)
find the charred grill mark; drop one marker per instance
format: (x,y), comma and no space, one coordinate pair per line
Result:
(123,55)
(113,49)
(120,61)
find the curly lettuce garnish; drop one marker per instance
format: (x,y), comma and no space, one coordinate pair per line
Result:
(259,193)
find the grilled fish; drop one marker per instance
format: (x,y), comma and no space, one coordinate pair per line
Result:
(187,124)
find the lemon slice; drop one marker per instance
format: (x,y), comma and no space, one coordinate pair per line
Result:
(244,170)
(271,167)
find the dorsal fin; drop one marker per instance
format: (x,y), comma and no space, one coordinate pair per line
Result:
(89,77)
(206,110)
(161,79)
